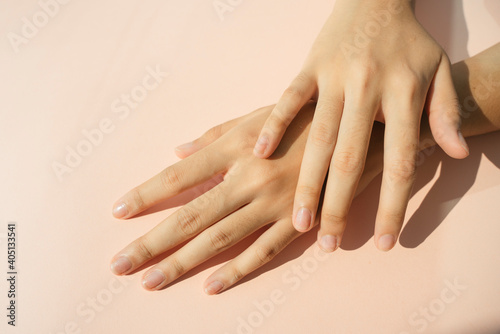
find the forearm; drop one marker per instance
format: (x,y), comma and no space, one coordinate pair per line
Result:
(477,81)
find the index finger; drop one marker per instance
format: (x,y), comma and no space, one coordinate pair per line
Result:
(173,180)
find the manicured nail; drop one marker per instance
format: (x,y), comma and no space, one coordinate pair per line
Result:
(386,242)
(120,210)
(261,145)
(328,243)
(214,287)
(153,279)
(184,147)
(463,142)
(303,219)
(121,265)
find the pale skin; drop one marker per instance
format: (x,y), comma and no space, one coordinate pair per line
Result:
(239,205)
(371,61)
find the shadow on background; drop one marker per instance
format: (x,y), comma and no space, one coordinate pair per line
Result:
(445,21)
(493,7)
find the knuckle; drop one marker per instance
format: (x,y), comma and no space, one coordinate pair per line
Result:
(308,191)
(236,274)
(323,135)
(347,162)
(213,133)
(138,199)
(278,120)
(177,266)
(402,170)
(303,78)
(171,178)
(331,218)
(364,71)
(219,240)
(265,254)
(390,217)
(293,95)
(189,222)
(143,247)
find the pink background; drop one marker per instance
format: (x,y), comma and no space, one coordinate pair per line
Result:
(65,79)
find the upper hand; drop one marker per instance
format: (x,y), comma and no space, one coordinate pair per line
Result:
(371,61)
(225,214)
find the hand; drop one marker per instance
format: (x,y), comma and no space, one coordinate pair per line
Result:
(218,150)
(371,61)
(224,215)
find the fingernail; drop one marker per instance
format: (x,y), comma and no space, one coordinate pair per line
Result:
(121,265)
(303,219)
(328,243)
(184,147)
(261,145)
(214,287)
(120,210)
(386,242)
(153,279)
(463,142)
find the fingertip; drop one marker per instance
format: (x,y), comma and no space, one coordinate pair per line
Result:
(463,143)
(454,145)
(328,242)
(261,146)
(181,154)
(213,288)
(120,210)
(303,220)
(120,265)
(386,242)
(184,150)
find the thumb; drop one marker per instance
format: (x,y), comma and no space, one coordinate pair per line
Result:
(185,150)
(444,113)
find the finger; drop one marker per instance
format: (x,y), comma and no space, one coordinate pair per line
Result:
(346,166)
(317,156)
(263,250)
(293,99)
(400,154)
(444,113)
(185,150)
(210,242)
(374,162)
(173,180)
(183,224)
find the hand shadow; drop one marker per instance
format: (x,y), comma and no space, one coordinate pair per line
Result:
(445,22)
(493,7)
(455,179)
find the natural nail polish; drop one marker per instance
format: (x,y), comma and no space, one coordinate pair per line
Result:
(328,243)
(463,142)
(120,210)
(386,242)
(303,219)
(261,145)
(214,287)
(153,279)
(121,265)
(184,147)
